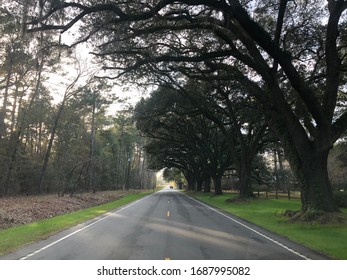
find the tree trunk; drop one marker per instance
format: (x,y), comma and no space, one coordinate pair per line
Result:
(3,111)
(128,170)
(191,182)
(142,173)
(92,146)
(245,179)
(282,179)
(308,158)
(276,173)
(207,184)
(199,182)
(316,193)
(49,148)
(309,163)
(14,108)
(217,182)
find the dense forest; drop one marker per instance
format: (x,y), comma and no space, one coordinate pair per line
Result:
(245,94)
(57,134)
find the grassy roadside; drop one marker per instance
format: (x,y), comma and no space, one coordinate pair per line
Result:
(330,239)
(16,237)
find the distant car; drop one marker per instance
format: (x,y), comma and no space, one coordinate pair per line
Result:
(171,187)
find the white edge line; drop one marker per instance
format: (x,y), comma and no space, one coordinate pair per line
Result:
(108,215)
(251,229)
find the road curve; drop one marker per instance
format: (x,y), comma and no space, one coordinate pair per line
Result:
(165,225)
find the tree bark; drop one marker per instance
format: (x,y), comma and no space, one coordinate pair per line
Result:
(277,181)
(316,195)
(199,183)
(92,146)
(217,182)
(49,148)
(191,182)
(245,179)
(127,171)
(207,184)
(309,163)
(3,111)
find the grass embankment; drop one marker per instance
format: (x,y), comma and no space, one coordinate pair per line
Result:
(16,237)
(330,239)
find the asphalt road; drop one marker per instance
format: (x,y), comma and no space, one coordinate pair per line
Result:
(165,225)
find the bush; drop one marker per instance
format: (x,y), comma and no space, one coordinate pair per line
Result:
(341,199)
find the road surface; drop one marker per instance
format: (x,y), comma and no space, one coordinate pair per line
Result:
(165,225)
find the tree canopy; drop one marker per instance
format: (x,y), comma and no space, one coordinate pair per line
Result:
(289,55)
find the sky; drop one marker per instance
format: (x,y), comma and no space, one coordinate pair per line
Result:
(57,82)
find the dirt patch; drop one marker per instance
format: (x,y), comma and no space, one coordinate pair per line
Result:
(21,210)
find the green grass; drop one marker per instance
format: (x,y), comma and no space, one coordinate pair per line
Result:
(16,237)
(329,239)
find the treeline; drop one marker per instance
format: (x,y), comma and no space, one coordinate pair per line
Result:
(209,138)
(55,134)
